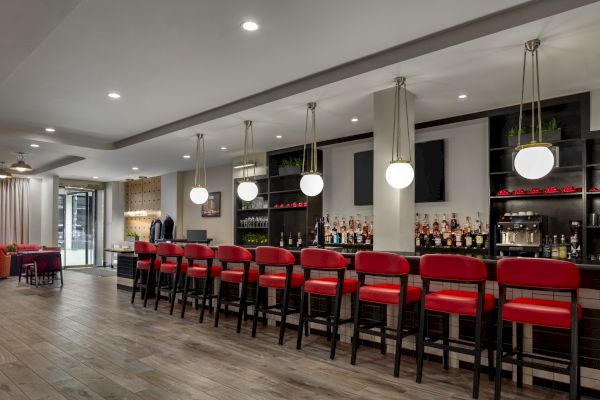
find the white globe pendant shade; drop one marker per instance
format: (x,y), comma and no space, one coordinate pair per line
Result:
(534,162)
(247,190)
(198,195)
(399,174)
(311,184)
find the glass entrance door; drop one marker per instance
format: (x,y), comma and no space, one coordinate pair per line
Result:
(77,226)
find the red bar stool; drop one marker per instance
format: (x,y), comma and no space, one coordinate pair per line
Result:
(463,270)
(235,255)
(286,281)
(171,270)
(200,252)
(324,260)
(546,275)
(146,253)
(370,263)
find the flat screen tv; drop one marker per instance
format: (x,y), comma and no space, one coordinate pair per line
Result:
(430,184)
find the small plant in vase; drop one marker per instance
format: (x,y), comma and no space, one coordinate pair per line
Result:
(11,248)
(133,236)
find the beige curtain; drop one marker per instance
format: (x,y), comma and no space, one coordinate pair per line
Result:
(14,211)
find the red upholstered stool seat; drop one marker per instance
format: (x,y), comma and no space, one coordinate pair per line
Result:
(170,267)
(327,286)
(277,281)
(550,313)
(388,293)
(457,302)
(199,271)
(237,275)
(145,265)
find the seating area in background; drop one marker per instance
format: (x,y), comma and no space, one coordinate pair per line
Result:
(162,269)
(37,264)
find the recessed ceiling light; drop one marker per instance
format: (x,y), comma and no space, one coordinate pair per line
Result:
(114,95)
(94,177)
(354,119)
(278,136)
(50,130)
(187,156)
(35,145)
(135,168)
(250,26)
(223,148)
(462,96)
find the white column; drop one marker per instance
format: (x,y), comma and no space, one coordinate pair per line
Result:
(49,211)
(394,209)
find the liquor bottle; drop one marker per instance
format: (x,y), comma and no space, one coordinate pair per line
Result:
(358,232)
(453,222)
(555,247)
(344,231)
(417,223)
(350,236)
(335,231)
(371,235)
(351,224)
(477,224)
(468,240)
(281,243)
(425,224)
(449,240)
(479,239)
(458,239)
(290,240)
(299,243)
(562,249)
(327,230)
(437,239)
(436,224)
(547,249)
(467,233)
(365,230)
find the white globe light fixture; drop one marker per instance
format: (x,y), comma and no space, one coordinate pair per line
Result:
(199,193)
(533,160)
(247,189)
(311,183)
(400,173)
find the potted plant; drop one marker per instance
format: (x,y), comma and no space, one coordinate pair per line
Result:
(290,166)
(551,132)
(132,236)
(11,249)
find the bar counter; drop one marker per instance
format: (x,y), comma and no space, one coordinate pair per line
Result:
(539,340)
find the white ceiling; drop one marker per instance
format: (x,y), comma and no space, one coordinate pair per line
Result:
(170,62)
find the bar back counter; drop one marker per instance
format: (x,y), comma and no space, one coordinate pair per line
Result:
(538,340)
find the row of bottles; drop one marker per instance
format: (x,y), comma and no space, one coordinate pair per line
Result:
(450,233)
(556,248)
(291,241)
(352,232)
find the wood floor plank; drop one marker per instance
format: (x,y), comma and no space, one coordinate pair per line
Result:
(86,341)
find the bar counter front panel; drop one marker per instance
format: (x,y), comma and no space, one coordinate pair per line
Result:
(546,341)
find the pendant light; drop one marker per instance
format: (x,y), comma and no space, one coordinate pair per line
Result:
(199,194)
(311,183)
(533,160)
(4,172)
(400,173)
(21,165)
(247,189)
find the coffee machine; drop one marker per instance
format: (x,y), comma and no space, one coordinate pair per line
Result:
(521,234)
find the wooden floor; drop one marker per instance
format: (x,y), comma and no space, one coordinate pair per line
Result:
(87,341)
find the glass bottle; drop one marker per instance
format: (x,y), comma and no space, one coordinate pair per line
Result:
(358,231)
(290,240)
(344,231)
(436,224)
(547,249)
(453,222)
(327,229)
(562,249)
(281,243)
(554,247)
(299,243)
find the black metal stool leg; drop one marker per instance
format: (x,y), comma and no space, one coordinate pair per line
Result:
(519,355)
(205,291)
(284,307)
(219,300)
(446,341)
(382,342)
(158,283)
(186,286)
(356,333)
(135,284)
(257,305)
(338,306)
(303,298)
(421,340)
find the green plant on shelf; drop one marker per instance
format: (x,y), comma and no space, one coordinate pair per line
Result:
(254,239)
(548,126)
(291,162)
(134,235)
(11,248)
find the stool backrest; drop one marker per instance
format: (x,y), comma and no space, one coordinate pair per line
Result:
(538,273)
(169,250)
(322,259)
(198,251)
(381,263)
(234,254)
(141,247)
(452,267)
(269,255)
